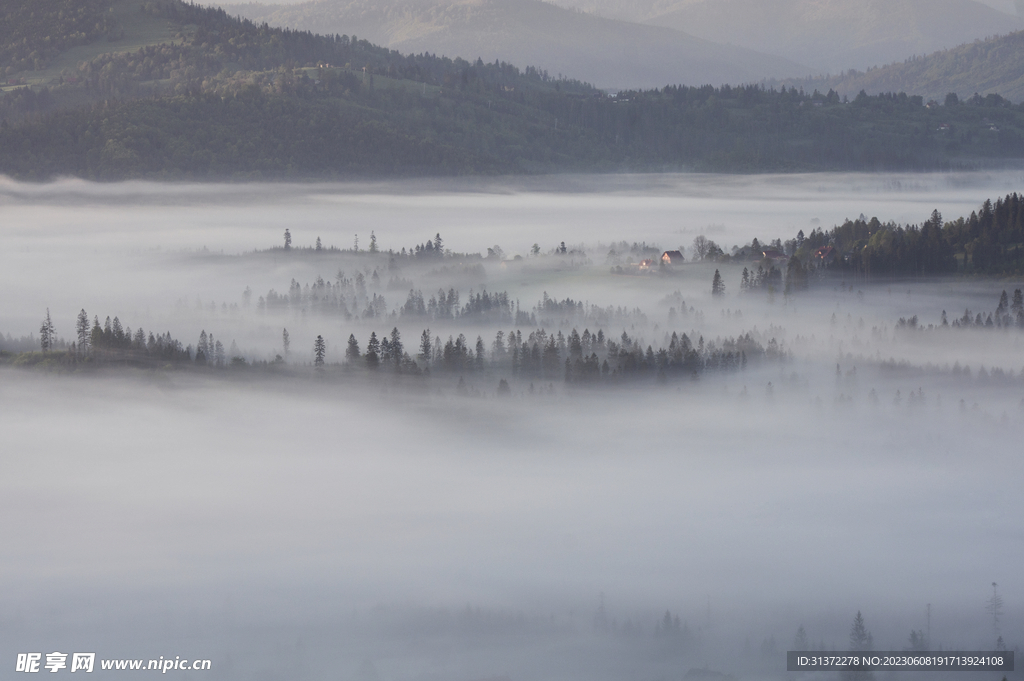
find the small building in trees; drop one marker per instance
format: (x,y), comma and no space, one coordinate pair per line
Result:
(672,258)
(774,256)
(825,255)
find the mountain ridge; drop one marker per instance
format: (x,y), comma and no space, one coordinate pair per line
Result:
(609,53)
(984,67)
(831,35)
(226,98)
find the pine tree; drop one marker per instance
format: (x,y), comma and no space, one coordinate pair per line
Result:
(373,242)
(285,341)
(373,351)
(860,637)
(82,331)
(46,333)
(994,606)
(426,347)
(800,640)
(319,244)
(717,286)
(287,240)
(796,275)
(498,347)
(1002,317)
(397,349)
(319,352)
(860,640)
(352,353)
(202,351)
(96,334)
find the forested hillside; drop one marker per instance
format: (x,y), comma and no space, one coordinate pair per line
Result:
(32,33)
(606,52)
(829,35)
(227,98)
(988,241)
(837,35)
(984,67)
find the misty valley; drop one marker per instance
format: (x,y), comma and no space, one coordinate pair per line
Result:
(562,354)
(629,427)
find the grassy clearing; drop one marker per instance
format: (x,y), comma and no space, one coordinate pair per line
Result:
(139,29)
(382,82)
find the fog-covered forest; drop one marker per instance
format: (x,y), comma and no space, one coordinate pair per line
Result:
(868,252)
(317,362)
(637,427)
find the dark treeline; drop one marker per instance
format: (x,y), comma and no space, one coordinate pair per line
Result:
(1008,314)
(32,33)
(362,297)
(574,358)
(290,125)
(114,343)
(988,242)
(230,98)
(249,135)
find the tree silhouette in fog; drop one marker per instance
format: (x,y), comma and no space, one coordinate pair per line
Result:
(319,352)
(352,352)
(860,637)
(47,335)
(373,351)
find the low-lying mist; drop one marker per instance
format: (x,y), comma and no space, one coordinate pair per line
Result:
(776,462)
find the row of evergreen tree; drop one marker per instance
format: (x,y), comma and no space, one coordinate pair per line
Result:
(574,358)
(1007,315)
(988,241)
(114,342)
(355,297)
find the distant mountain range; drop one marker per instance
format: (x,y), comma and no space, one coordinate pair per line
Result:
(605,52)
(829,35)
(993,66)
(171,90)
